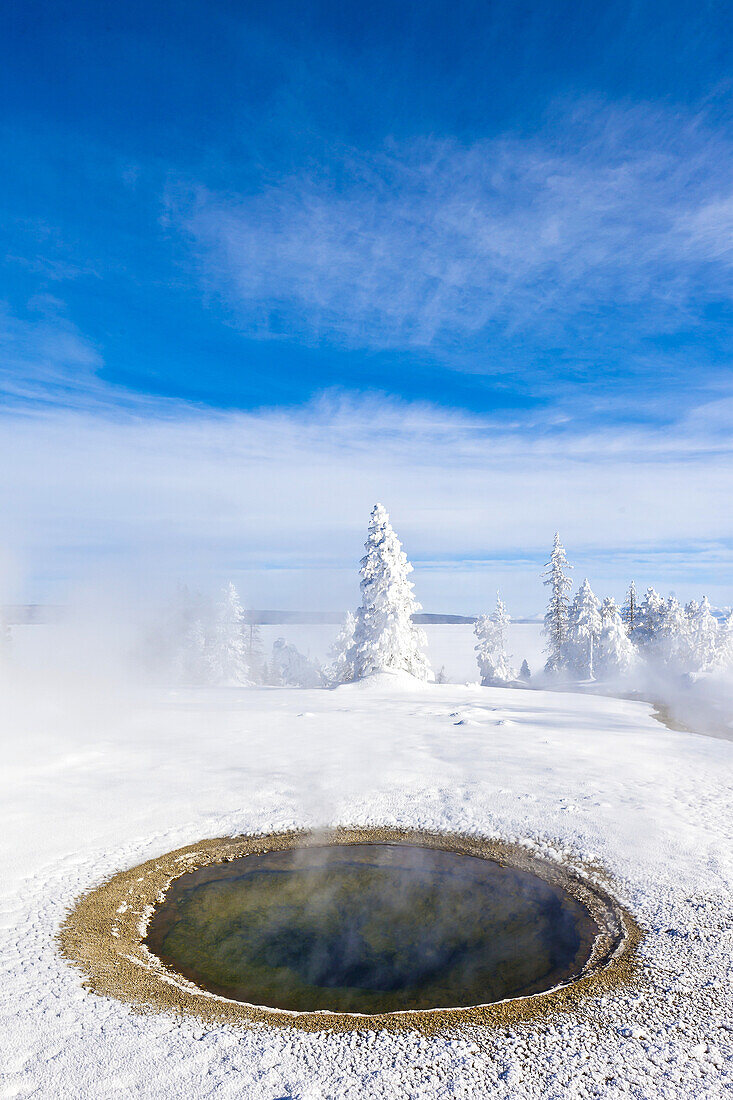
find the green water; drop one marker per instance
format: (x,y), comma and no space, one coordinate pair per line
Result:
(369,928)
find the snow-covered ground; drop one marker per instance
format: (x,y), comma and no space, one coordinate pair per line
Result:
(98,776)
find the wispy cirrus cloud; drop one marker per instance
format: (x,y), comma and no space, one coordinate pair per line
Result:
(44,354)
(611,225)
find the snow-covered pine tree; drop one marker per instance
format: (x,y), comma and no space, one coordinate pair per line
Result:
(703,637)
(178,647)
(385,637)
(491,656)
(441,676)
(340,671)
(648,621)
(615,653)
(584,630)
(724,654)
(291,668)
(227,654)
(192,663)
(253,651)
(524,672)
(556,616)
(670,644)
(629,612)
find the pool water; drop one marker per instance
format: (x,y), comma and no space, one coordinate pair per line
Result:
(369,928)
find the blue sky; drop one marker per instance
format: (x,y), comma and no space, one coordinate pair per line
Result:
(512,218)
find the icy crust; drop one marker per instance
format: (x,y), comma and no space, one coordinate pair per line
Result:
(105,935)
(87,792)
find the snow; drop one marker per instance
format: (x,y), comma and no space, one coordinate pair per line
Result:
(99,775)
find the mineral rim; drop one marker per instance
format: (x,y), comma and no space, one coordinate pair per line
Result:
(104,932)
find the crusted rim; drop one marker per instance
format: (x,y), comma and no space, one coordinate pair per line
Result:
(103,934)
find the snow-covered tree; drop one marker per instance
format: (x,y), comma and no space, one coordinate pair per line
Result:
(615,653)
(491,656)
(441,676)
(341,671)
(703,633)
(724,654)
(385,637)
(524,672)
(227,650)
(191,662)
(253,652)
(669,643)
(629,613)
(291,668)
(583,632)
(556,616)
(648,620)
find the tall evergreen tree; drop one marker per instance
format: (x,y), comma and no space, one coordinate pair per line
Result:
(629,613)
(385,637)
(584,630)
(556,616)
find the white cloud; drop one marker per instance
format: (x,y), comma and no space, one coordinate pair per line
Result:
(281,500)
(432,243)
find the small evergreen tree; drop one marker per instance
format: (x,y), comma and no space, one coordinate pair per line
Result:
(341,671)
(441,676)
(227,653)
(584,629)
(491,631)
(385,637)
(615,653)
(629,613)
(556,616)
(524,672)
(290,668)
(704,634)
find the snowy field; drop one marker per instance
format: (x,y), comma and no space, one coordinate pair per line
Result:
(99,776)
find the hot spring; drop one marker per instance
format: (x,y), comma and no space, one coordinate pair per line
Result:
(369,928)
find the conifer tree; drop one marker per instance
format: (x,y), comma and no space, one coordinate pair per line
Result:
(629,613)
(291,668)
(253,651)
(491,656)
(524,672)
(556,616)
(724,652)
(584,629)
(385,637)
(341,671)
(703,634)
(648,620)
(670,642)
(227,650)
(615,654)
